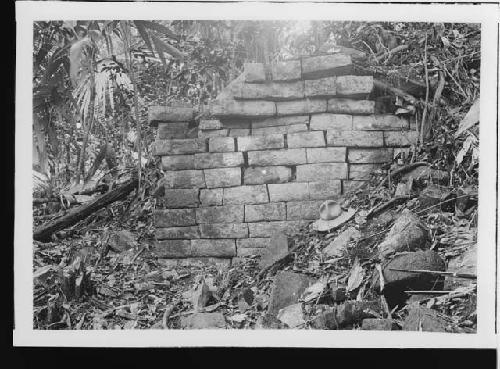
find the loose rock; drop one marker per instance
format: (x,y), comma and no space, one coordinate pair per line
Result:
(203,321)
(423,319)
(287,289)
(372,324)
(335,247)
(292,316)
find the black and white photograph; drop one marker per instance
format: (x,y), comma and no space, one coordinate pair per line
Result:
(258,174)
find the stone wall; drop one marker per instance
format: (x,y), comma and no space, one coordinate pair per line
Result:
(278,141)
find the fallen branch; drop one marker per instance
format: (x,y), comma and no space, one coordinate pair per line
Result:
(388,204)
(44,232)
(401,170)
(391,52)
(395,91)
(435,272)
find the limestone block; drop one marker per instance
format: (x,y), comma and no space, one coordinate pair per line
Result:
(348,106)
(245,195)
(170,114)
(352,186)
(304,106)
(210,124)
(261,175)
(222,177)
(326,155)
(326,66)
(286,70)
(281,121)
(326,121)
(268,229)
(354,85)
(172,130)
(321,172)
(211,197)
(212,133)
(306,139)
(252,143)
(361,171)
(277,157)
(221,144)
(179,146)
(355,138)
(324,190)
(224,230)
(249,251)
(184,179)
(237,132)
(297,210)
(254,72)
(398,139)
(379,122)
(177,162)
(177,233)
(213,248)
(252,243)
(174,218)
(251,109)
(220,214)
(269,91)
(324,87)
(369,156)
(271,211)
(181,198)
(288,192)
(218,160)
(173,249)
(279,130)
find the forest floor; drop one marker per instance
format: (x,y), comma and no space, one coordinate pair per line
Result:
(102,273)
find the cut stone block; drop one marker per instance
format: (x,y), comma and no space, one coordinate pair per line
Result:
(272,211)
(245,195)
(181,198)
(304,106)
(326,155)
(184,179)
(172,130)
(173,249)
(354,85)
(369,155)
(269,91)
(210,124)
(265,131)
(306,139)
(268,229)
(177,162)
(170,114)
(399,139)
(321,172)
(379,122)
(212,133)
(218,160)
(277,157)
(261,175)
(324,190)
(348,106)
(288,192)
(352,186)
(249,251)
(222,177)
(251,109)
(326,66)
(220,214)
(238,132)
(177,233)
(355,138)
(303,210)
(326,121)
(211,197)
(252,243)
(221,144)
(174,218)
(224,248)
(254,72)
(281,121)
(361,171)
(423,319)
(288,287)
(224,230)
(251,143)
(286,70)
(178,147)
(237,123)
(324,87)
